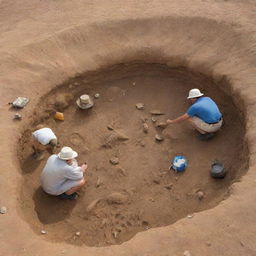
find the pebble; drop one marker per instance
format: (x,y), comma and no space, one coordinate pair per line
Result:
(169,186)
(140,106)
(97,95)
(145,128)
(92,205)
(43,232)
(115,234)
(156,112)
(3,210)
(117,198)
(110,127)
(17,116)
(153,120)
(99,182)
(143,144)
(159,137)
(78,233)
(200,195)
(114,160)
(122,171)
(134,83)
(187,253)
(190,216)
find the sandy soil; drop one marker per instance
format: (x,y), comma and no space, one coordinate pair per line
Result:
(141,179)
(45,43)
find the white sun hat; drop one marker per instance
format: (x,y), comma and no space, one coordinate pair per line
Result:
(67,153)
(84,101)
(194,93)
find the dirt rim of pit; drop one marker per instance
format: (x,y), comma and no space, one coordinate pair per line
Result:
(141,189)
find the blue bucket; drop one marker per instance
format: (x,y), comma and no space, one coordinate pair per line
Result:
(179,163)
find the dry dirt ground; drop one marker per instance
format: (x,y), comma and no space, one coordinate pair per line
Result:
(151,52)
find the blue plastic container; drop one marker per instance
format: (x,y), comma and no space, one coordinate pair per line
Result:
(179,163)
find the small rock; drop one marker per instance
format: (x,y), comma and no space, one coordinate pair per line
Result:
(176,178)
(145,128)
(156,112)
(17,116)
(117,198)
(70,86)
(97,95)
(20,102)
(208,244)
(76,83)
(151,199)
(134,83)
(121,136)
(190,216)
(140,106)
(153,120)
(99,182)
(115,234)
(43,232)
(200,195)
(78,233)
(162,125)
(157,180)
(110,127)
(143,144)
(114,160)
(187,253)
(159,137)
(169,186)
(104,222)
(122,171)
(3,210)
(92,205)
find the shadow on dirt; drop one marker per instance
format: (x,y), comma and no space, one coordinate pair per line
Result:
(51,209)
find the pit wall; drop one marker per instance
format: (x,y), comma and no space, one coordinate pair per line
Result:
(218,50)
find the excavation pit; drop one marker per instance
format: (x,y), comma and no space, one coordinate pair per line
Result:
(146,194)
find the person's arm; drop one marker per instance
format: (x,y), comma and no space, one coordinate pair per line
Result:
(74,173)
(178,119)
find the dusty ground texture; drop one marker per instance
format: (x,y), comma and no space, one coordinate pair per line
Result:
(44,43)
(141,182)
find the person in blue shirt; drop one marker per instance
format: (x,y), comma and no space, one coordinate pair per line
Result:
(203,114)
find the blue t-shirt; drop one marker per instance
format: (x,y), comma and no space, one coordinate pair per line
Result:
(206,109)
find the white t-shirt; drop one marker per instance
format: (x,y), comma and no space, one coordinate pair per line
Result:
(44,135)
(57,172)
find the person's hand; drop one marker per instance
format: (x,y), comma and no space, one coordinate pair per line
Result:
(84,167)
(169,121)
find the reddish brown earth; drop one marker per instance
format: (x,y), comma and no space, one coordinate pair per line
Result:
(142,176)
(44,45)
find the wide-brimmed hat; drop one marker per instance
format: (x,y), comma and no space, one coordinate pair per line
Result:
(67,153)
(194,93)
(84,101)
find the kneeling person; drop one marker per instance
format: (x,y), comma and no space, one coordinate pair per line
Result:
(62,176)
(43,138)
(203,114)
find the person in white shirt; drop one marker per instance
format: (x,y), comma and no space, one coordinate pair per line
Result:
(62,176)
(44,138)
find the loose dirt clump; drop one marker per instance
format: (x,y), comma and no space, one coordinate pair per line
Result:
(137,192)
